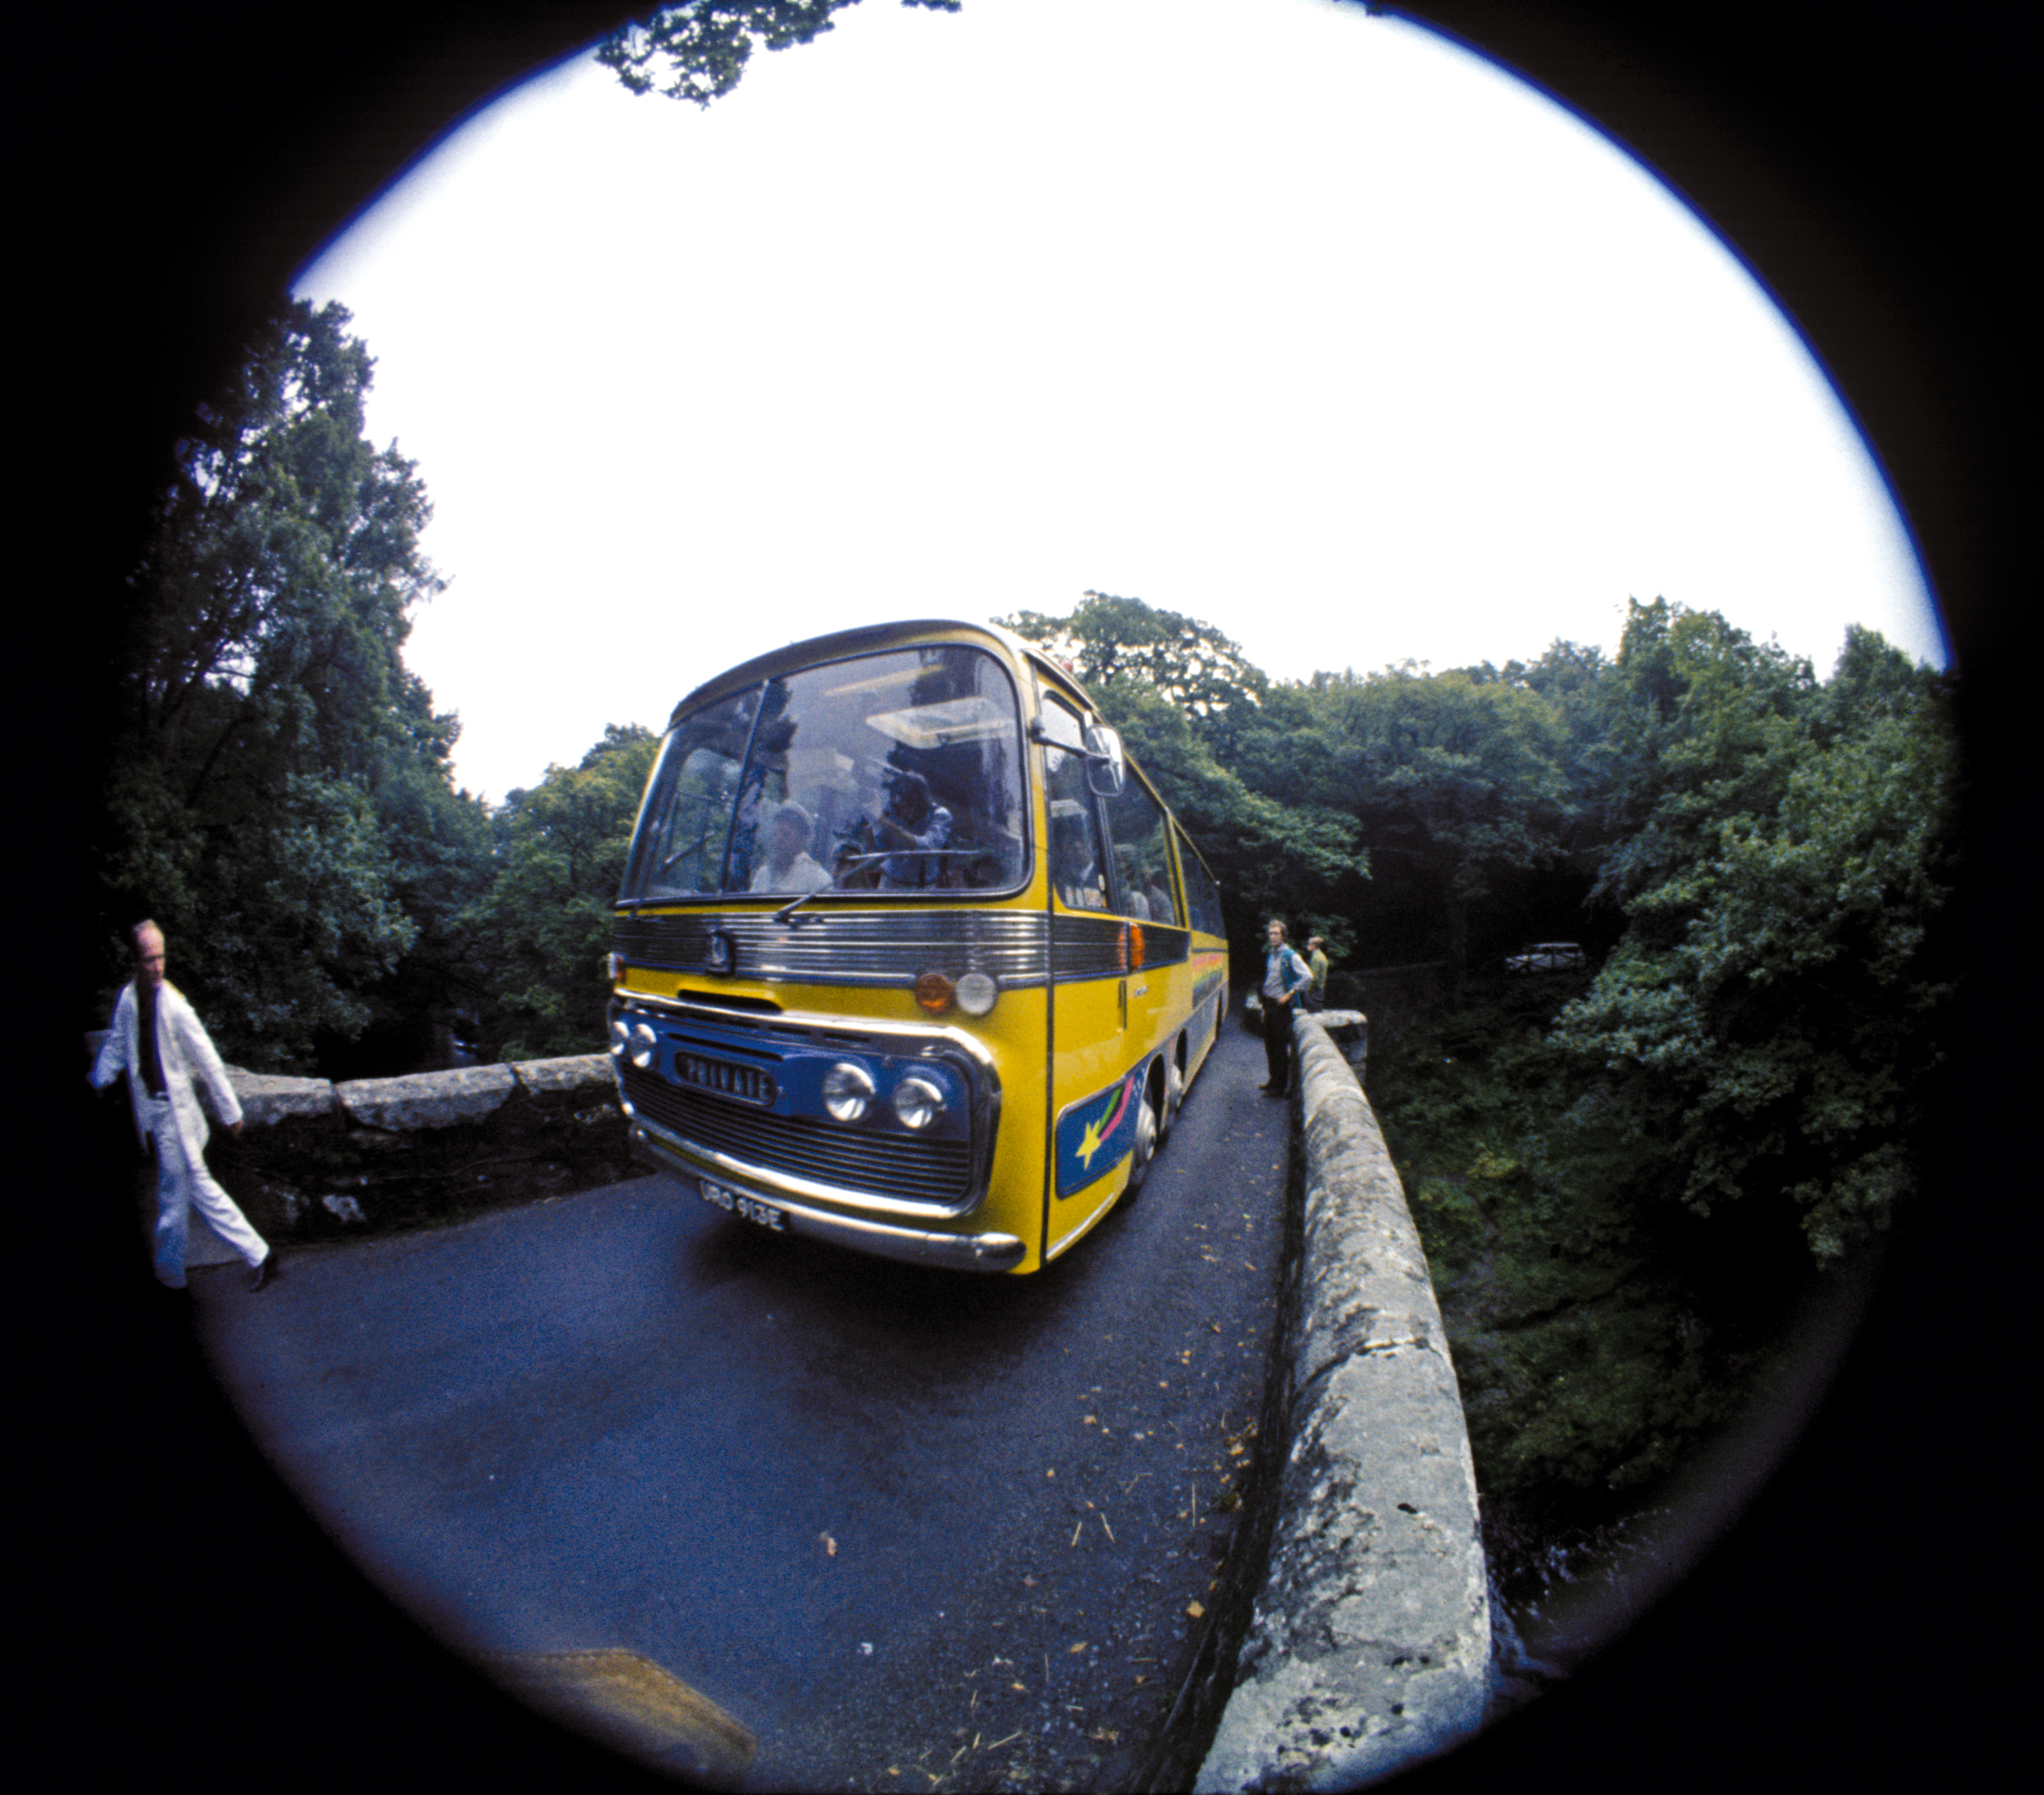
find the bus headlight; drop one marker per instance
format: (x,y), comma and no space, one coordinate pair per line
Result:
(977,992)
(620,1036)
(848,1092)
(917,1102)
(643,1046)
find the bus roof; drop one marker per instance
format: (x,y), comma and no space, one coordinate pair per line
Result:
(841,645)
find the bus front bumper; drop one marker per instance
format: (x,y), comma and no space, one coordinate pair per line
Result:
(889,1240)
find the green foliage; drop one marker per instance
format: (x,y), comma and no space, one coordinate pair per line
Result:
(1588,1354)
(546,919)
(280,799)
(1702,725)
(1458,774)
(700,49)
(1108,641)
(1451,1223)
(1771,1017)
(1452,782)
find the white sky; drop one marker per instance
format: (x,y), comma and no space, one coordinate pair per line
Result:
(1305,323)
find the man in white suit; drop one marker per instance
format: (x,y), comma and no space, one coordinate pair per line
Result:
(158,1040)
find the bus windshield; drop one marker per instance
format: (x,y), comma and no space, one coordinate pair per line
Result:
(892,772)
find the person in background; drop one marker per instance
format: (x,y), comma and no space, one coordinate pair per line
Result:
(1285,977)
(1134,902)
(1317,964)
(1162,909)
(158,1040)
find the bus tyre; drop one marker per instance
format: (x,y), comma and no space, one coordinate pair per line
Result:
(1147,1135)
(1175,1096)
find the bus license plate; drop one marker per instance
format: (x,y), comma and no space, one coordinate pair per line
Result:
(749,1209)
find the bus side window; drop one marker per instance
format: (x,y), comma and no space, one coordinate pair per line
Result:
(1202,895)
(1141,857)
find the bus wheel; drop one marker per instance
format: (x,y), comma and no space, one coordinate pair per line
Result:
(1148,1136)
(1175,1094)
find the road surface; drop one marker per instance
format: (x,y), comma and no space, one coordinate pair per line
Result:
(913,1529)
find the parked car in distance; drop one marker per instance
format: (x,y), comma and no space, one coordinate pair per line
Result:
(1252,1013)
(1547,957)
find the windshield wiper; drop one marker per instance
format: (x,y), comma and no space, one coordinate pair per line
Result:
(786,912)
(853,862)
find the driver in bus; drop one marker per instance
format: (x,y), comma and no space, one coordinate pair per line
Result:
(1073,869)
(789,866)
(912,820)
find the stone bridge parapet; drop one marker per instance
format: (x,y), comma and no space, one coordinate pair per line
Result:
(1368,1646)
(317,1159)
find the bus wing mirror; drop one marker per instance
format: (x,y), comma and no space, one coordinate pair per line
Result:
(1106,770)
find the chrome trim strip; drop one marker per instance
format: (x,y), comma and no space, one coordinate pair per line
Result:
(847,947)
(963,1252)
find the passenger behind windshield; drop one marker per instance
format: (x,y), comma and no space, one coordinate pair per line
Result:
(789,866)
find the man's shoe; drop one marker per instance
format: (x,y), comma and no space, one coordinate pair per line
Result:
(263,1271)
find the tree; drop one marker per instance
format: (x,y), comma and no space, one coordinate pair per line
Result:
(1189,664)
(698,50)
(279,772)
(1453,781)
(1770,1025)
(1702,722)
(559,862)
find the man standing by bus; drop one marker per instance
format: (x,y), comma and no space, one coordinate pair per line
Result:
(158,1040)
(1284,975)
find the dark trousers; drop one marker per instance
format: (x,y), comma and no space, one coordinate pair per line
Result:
(1278,1041)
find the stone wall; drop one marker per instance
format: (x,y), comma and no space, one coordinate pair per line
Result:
(1369,1646)
(320,1160)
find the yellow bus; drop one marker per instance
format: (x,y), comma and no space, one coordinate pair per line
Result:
(908,955)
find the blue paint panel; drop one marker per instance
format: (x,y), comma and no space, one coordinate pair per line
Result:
(1097,1133)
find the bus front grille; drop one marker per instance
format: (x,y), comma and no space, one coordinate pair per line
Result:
(907,1168)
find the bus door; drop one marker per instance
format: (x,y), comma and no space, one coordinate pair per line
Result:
(1092,1113)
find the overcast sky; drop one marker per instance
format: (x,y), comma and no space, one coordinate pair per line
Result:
(1308,323)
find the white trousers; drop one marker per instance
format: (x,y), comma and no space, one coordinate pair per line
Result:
(183,1184)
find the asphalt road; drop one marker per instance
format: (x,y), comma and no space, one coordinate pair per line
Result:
(915,1530)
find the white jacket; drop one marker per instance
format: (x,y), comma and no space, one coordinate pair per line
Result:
(188,1055)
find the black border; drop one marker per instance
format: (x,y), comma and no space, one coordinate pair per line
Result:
(1864,162)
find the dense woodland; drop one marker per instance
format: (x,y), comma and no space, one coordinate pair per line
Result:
(1623,1174)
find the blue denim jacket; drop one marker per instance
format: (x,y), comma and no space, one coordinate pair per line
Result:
(1277,964)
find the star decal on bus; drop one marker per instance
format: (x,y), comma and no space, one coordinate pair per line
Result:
(1104,1125)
